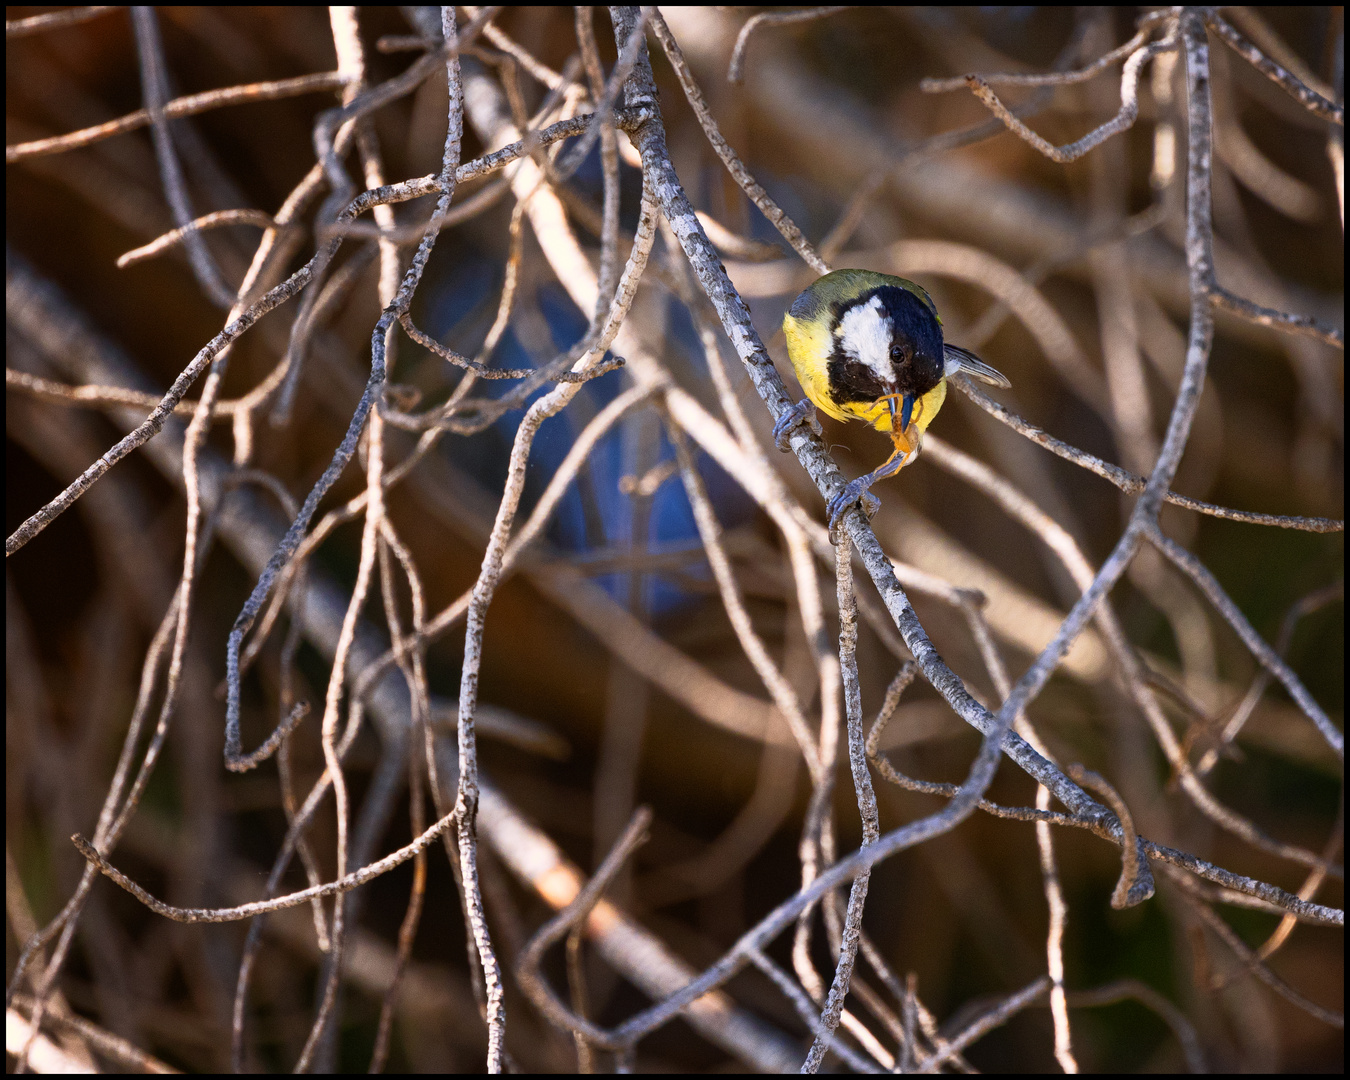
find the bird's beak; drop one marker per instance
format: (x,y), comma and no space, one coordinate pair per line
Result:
(906,411)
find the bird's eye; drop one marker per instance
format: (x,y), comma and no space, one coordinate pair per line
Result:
(898,354)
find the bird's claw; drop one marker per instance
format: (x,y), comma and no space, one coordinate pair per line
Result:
(801,413)
(854,492)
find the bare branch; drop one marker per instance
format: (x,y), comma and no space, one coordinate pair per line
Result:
(1122,121)
(1310,99)
(735,72)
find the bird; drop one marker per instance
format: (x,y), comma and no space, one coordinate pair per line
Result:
(868,346)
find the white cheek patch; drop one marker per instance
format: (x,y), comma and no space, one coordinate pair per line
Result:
(865,334)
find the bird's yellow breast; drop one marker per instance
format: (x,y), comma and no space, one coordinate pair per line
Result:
(809,347)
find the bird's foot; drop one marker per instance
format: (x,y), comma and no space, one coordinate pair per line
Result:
(801,413)
(854,491)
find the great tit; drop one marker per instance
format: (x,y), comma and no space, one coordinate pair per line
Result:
(869,346)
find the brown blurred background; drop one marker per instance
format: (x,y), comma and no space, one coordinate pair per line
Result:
(830,118)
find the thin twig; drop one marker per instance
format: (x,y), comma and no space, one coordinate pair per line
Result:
(1132,887)
(710,533)
(575,914)
(37,24)
(735,70)
(867,807)
(1123,989)
(153,85)
(1285,80)
(995,1017)
(1268,657)
(1122,121)
(1147,24)
(191,105)
(777,217)
(261,907)
(1133,483)
(216,220)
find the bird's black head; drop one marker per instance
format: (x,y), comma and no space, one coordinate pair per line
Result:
(886,341)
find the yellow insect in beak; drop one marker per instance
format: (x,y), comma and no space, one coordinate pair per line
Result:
(899,428)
